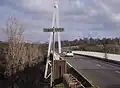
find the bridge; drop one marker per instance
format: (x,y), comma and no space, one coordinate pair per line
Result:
(84,70)
(96,69)
(99,70)
(102,73)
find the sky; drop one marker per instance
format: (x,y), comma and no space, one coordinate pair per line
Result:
(79,18)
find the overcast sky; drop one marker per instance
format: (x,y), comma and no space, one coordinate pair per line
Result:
(80,18)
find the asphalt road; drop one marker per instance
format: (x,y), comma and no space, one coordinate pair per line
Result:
(100,73)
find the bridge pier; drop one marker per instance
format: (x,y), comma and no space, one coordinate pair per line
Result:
(60,68)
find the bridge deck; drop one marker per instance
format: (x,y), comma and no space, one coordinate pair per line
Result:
(102,74)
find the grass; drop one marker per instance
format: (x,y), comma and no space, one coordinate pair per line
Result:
(61,85)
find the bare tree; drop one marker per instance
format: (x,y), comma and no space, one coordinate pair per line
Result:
(19,53)
(33,53)
(16,50)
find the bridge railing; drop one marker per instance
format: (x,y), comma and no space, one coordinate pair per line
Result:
(57,56)
(112,57)
(80,77)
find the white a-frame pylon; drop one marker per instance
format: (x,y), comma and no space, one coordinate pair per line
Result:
(55,23)
(55,26)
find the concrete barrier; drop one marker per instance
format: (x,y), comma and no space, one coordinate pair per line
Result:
(85,82)
(112,57)
(78,75)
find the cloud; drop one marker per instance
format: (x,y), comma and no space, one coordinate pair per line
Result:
(38,5)
(79,17)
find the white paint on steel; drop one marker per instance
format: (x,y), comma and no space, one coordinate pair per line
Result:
(98,65)
(51,34)
(58,25)
(55,20)
(69,64)
(48,76)
(117,72)
(46,68)
(50,43)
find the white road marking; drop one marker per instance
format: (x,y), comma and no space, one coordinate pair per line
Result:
(117,72)
(98,65)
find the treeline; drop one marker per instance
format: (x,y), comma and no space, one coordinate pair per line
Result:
(88,41)
(108,45)
(105,45)
(91,41)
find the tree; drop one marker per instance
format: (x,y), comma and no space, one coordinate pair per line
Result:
(16,52)
(19,54)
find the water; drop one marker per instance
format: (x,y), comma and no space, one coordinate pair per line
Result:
(29,78)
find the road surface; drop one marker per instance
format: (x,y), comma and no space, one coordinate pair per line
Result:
(100,73)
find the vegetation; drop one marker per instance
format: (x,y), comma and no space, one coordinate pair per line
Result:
(91,41)
(96,45)
(15,54)
(98,48)
(61,85)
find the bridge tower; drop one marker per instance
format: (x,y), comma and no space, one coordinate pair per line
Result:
(51,48)
(55,23)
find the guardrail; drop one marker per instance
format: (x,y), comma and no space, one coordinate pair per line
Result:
(80,77)
(56,55)
(110,57)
